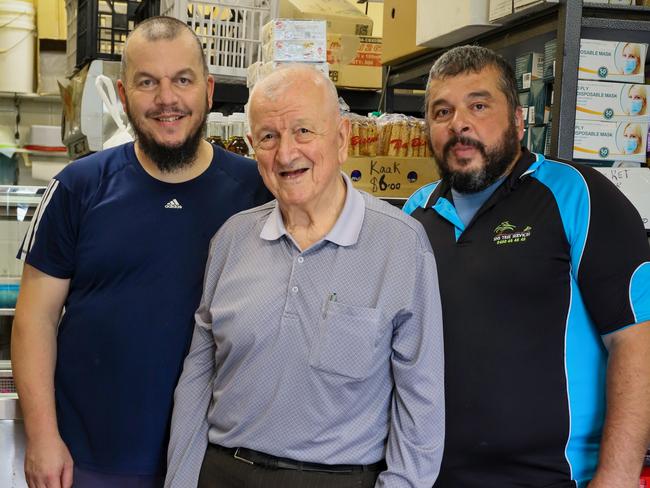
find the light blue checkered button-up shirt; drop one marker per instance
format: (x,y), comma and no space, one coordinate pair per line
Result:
(330,355)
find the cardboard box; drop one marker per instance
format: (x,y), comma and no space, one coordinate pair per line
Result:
(635,185)
(539,103)
(389,176)
(355,61)
(520,5)
(342,17)
(601,100)
(528,67)
(399,31)
(610,141)
(442,24)
(612,61)
(51,20)
(550,48)
(499,9)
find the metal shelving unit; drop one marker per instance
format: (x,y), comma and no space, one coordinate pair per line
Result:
(568,21)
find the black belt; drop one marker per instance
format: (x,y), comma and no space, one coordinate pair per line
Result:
(267,461)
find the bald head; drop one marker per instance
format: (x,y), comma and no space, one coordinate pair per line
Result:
(160,29)
(296,78)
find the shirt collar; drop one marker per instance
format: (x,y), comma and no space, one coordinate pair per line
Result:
(526,164)
(346,230)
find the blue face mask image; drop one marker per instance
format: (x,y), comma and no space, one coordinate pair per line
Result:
(636,106)
(629,66)
(630,145)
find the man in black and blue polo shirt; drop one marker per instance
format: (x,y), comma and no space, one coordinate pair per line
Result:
(545,282)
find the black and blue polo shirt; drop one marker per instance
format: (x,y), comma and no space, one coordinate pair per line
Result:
(556,258)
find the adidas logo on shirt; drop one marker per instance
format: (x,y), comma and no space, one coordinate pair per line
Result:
(173,204)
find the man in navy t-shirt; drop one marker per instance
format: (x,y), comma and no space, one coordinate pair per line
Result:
(114,261)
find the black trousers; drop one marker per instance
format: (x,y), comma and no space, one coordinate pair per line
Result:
(221,470)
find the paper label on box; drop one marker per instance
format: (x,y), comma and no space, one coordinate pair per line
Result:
(599,100)
(611,141)
(612,61)
(303,50)
(290,29)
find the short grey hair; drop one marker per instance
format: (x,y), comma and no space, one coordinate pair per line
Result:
(162,28)
(473,59)
(280,79)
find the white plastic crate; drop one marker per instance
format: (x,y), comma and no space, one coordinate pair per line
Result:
(230,31)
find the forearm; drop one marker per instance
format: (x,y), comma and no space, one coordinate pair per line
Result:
(626,433)
(33,348)
(33,352)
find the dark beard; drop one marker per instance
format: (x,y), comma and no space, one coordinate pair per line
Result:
(496,160)
(169,159)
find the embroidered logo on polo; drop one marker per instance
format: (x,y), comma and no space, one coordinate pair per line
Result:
(507,233)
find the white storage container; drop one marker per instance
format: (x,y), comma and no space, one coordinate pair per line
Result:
(230,31)
(441,24)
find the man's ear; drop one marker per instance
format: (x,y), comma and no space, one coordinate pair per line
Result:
(210,82)
(343,137)
(121,91)
(519,122)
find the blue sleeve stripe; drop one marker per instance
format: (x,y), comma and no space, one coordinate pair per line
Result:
(640,293)
(574,204)
(419,198)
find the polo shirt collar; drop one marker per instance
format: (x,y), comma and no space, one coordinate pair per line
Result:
(526,164)
(346,230)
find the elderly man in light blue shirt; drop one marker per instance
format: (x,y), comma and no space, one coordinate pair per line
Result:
(317,356)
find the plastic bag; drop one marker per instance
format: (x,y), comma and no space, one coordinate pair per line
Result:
(122,135)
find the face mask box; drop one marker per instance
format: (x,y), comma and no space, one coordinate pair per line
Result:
(605,101)
(612,61)
(528,67)
(610,141)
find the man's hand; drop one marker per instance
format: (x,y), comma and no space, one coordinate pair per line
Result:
(48,463)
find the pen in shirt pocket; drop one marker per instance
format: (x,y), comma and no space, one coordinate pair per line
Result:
(330,298)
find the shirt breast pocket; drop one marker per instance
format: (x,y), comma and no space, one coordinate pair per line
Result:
(347,340)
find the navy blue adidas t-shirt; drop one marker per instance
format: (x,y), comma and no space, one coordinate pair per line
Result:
(134,249)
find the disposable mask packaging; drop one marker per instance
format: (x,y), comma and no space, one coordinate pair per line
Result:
(598,100)
(613,141)
(612,61)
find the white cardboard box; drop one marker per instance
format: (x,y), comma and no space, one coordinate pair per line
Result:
(607,60)
(499,9)
(608,141)
(441,24)
(602,100)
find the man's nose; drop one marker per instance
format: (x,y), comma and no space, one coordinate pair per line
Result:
(166,95)
(459,123)
(286,149)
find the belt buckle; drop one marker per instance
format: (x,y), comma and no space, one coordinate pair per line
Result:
(239,458)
